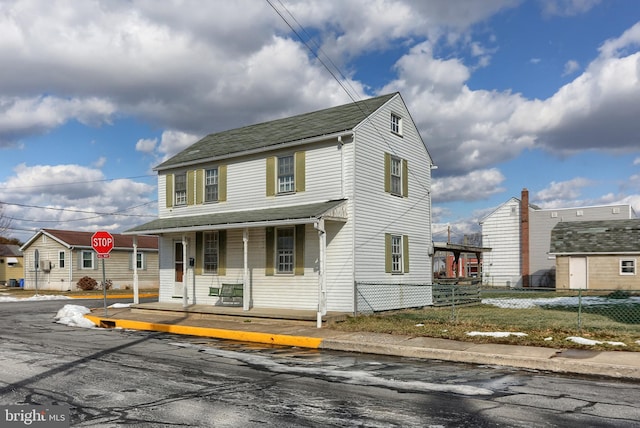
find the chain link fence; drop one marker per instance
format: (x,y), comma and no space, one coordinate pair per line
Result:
(539,308)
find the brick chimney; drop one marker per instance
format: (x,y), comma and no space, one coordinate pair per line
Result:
(524,237)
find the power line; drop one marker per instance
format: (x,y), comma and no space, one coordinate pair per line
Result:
(119,213)
(77,182)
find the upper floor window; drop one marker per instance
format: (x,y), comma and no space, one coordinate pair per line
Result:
(181,189)
(396,124)
(211,185)
(286,177)
(61,259)
(628,267)
(211,247)
(396,180)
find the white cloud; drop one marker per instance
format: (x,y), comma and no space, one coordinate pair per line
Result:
(146,145)
(562,191)
(567,7)
(473,186)
(570,67)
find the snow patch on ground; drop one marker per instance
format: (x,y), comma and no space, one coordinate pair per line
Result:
(32,298)
(583,341)
(73,315)
(511,303)
(495,333)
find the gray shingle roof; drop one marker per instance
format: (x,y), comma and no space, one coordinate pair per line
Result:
(605,236)
(290,129)
(298,212)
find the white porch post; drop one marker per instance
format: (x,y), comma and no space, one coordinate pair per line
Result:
(246,286)
(136,298)
(185,294)
(322,281)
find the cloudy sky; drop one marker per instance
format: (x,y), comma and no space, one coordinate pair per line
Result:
(507,94)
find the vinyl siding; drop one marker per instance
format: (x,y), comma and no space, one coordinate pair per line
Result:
(378,212)
(501,232)
(603,273)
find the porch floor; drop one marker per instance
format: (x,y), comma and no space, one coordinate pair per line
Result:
(211,311)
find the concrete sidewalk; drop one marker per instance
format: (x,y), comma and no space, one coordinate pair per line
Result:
(304,334)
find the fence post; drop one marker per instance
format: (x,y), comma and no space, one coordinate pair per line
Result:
(453,303)
(580,310)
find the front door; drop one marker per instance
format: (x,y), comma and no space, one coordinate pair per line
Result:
(578,272)
(178,257)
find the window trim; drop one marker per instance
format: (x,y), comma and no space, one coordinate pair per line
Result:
(291,174)
(178,199)
(401,265)
(395,163)
(396,124)
(633,267)
(62,259)
(215,185)
(91,253)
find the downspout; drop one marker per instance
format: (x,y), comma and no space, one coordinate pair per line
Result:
(353,228)
(185,296)
(136,298)
(246,286)
(322,281)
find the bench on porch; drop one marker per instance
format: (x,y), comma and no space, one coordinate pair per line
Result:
(228,291)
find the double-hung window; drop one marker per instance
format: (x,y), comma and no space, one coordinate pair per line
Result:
(286,174)
(211,185)
(87,260)
(628,267)
(61,259)
(396,253)
(139,260)
(396,176)
(181,189)
(211,251)
(396,124)
(285,238)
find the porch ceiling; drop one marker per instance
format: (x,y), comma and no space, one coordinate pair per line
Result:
(308,213)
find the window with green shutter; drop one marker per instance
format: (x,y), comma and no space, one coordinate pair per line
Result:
(396,253)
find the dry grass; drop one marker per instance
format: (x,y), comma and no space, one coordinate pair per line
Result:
(544,327)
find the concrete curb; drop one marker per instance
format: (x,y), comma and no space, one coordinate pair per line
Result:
(242,336)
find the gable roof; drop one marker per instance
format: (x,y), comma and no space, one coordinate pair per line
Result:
(603,236)
(10,250)
(77,239)
(281,131)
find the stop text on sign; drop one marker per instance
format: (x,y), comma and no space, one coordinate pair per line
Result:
(102,242)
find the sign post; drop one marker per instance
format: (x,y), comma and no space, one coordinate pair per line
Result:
(102,243)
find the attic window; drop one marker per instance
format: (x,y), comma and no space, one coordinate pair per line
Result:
(554,214)
(579,213)
(396,124)
(615,210)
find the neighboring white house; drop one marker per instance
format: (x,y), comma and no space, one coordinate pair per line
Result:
(296,211)
(520,241)
(65,256)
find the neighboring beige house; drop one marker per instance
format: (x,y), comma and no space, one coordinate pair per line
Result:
(597,254)
(65,256)
(295,212)
(11,266)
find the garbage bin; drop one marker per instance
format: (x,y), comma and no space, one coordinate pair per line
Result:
(21,282)
(13,282)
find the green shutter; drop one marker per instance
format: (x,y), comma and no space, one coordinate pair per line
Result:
(387,172)
(299,267)
(191,187)
(169,190)
(271,176)
(222,252)
(199,255)
(199,186)
(300,178)
(387,253)
(405,178)
(222,183)
(405,252)
(268,246)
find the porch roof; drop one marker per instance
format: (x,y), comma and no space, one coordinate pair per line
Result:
(295,214)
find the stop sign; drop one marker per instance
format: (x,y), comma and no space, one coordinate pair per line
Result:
(102,243)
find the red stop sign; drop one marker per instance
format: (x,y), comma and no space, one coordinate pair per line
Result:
(102,242)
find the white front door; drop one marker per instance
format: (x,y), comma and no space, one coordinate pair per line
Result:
(578,272)
(178,257)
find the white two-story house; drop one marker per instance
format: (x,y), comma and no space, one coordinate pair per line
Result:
(297,211)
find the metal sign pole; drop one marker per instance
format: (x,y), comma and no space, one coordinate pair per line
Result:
(104,287)
(37,262)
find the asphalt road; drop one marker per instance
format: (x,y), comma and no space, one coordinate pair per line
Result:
(113,378)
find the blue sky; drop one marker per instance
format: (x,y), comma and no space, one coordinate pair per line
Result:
(507,94)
